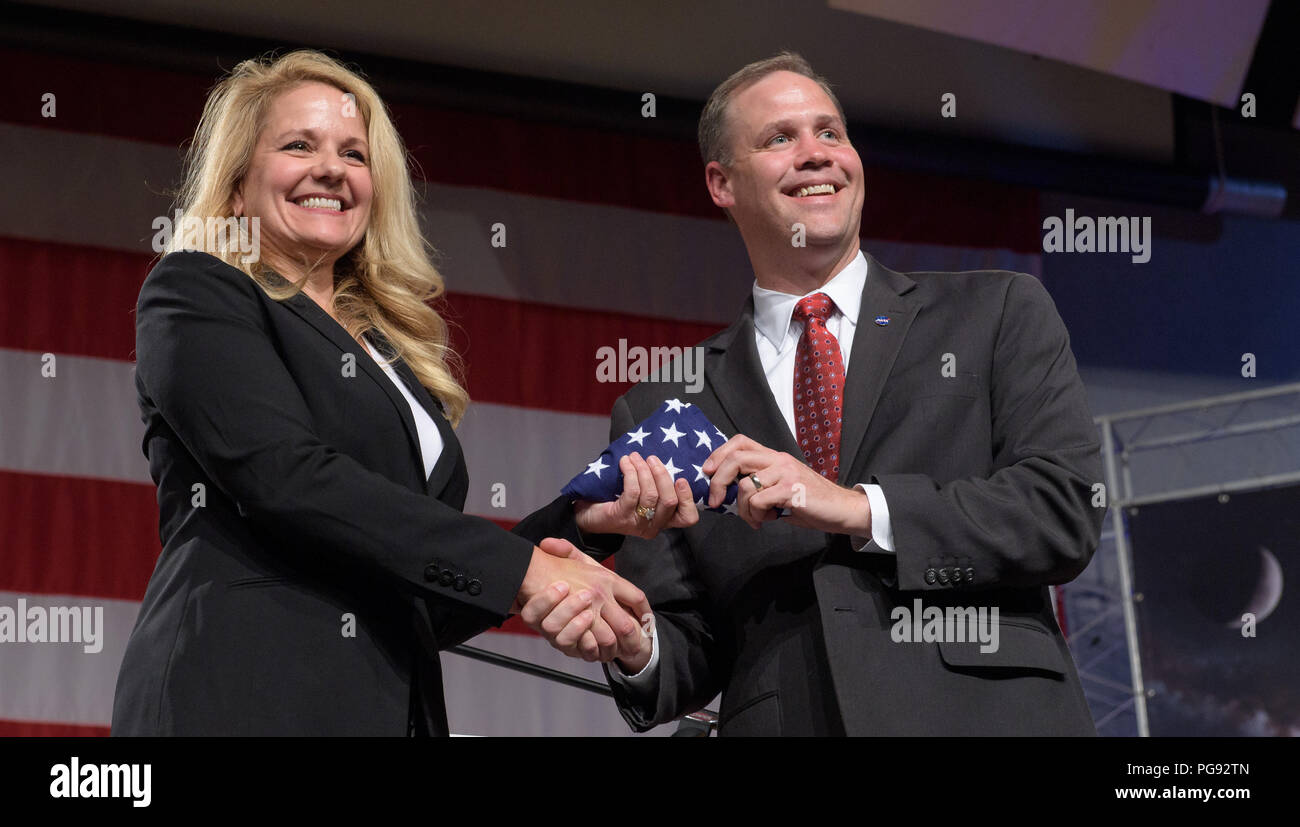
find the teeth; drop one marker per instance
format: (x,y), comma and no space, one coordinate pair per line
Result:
(820,189)
(326,203)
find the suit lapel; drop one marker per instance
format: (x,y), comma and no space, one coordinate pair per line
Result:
(875,348)
(314,315)
(451,451)
(736,375)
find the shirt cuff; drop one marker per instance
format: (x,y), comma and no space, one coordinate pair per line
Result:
(644,680)
(882,531)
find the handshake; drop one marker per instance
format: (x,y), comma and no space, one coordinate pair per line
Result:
(584,609)
(587,611)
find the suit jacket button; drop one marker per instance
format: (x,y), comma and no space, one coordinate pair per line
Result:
(943,575)
(956,575)
(446,578)
(970,574)
(929,576)
(459,583)
(431,572)
(474,588)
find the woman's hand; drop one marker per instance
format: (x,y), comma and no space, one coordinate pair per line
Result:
(582,623)
(651,501)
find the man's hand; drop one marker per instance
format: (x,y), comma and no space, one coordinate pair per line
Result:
(581,607)
(813,501)
(646,485)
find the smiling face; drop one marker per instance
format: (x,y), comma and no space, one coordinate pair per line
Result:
(791,163)
(309,177)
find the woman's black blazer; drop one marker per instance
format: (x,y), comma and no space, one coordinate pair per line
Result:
(309,571)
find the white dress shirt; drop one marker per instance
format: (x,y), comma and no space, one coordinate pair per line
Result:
(776,334)
(425,427)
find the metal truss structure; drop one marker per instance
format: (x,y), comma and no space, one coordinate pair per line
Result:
(1216,445)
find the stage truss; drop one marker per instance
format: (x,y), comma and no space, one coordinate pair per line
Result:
(1217,445)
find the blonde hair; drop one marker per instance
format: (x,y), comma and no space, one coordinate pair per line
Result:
(385,282)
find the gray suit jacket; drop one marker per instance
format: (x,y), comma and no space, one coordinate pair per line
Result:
(988,474)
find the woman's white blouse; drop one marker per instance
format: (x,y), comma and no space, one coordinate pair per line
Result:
(430,436)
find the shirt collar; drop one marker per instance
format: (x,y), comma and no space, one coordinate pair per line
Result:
(773,309)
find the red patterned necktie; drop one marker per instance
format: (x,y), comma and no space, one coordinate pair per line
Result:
(818,387)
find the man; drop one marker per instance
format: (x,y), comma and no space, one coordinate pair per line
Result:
(912,443)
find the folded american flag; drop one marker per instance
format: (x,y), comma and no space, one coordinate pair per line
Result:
(679,434)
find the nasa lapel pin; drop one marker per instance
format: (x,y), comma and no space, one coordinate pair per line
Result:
(882,320)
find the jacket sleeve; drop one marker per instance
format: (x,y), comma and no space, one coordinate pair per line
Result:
(206,359)
(1032,521)
(555,519)
(692,661)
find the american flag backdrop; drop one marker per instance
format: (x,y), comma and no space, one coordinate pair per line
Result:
(609,236)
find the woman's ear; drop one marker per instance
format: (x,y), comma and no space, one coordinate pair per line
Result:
(237,202)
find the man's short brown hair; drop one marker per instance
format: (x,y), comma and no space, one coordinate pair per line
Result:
(714,145)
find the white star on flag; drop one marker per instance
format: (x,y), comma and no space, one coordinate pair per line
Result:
(671,433)
(689,421)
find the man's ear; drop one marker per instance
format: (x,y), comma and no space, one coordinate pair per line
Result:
(719,184)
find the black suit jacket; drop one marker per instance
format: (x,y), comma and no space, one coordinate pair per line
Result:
(310,572)
(988,475)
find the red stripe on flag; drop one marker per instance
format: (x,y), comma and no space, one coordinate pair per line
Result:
(470,149)
(541,356)
(531,157)
(141,103)
(489,150)
(45,729)
(66,299)
(952,212)
(514,626)
(84,537)
(70,535)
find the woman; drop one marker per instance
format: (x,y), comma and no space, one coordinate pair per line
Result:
(299,411)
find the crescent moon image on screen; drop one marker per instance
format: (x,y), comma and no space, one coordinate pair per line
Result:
(1268,589)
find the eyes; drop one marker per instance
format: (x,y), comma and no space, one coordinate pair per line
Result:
(781,139)
(303,146)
